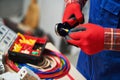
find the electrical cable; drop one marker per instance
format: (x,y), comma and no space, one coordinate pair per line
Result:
(60,65)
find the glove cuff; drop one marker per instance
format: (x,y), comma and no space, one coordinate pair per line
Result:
(70,1)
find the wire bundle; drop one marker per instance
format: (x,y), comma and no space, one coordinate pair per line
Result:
(54,65)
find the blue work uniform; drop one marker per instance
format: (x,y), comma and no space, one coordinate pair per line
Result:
(106,64)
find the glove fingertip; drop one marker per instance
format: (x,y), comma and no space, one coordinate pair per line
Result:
(70,41)
(73,42)
(71,35)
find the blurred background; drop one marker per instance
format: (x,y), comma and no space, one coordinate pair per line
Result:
(38,18)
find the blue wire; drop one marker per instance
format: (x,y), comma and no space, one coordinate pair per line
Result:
(41,72)
(37,71)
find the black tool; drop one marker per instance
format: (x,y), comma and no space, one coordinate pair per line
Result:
(63,29)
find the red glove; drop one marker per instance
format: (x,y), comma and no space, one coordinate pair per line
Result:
(90,41)
(71,9)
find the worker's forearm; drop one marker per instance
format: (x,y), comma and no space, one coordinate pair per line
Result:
(112,39)
(82,2)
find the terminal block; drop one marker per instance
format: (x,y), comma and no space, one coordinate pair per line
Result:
(27,74)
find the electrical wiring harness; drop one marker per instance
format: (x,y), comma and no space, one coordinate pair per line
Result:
(54,65)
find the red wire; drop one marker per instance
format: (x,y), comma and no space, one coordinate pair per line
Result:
(11,64)
(55,75)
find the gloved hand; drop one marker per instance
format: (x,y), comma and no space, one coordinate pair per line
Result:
(90,40)
(71,9)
